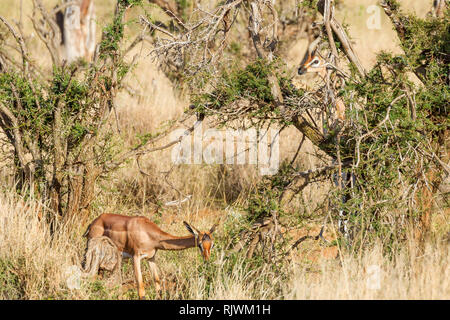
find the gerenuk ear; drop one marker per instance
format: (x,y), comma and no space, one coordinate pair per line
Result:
(190,229)
(213,228)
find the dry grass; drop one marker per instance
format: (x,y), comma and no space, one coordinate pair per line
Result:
(408,275)
(33,266)
(31,262)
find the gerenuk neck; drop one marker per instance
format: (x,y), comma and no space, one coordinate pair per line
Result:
(177,243)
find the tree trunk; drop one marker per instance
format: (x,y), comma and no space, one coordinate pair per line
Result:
(75,185)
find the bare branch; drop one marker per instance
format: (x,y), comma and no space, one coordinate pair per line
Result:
(20,41)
